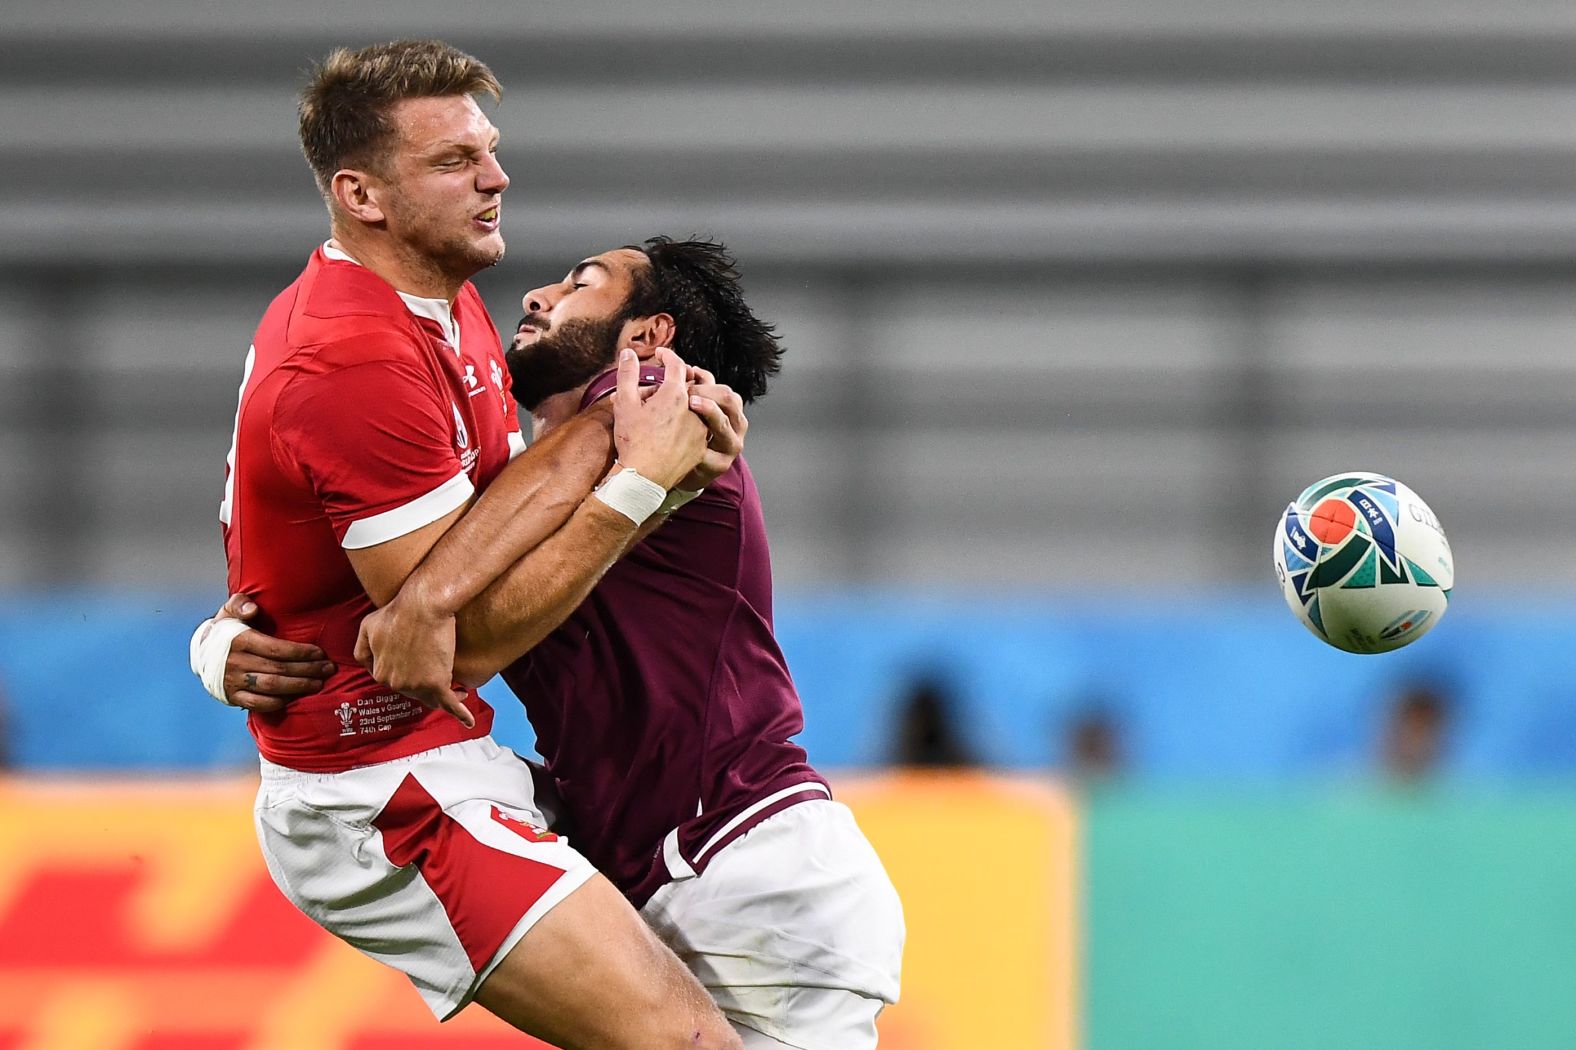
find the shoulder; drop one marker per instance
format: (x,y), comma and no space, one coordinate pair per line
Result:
(337,289)
(345,315)
(342,305)
(735,486)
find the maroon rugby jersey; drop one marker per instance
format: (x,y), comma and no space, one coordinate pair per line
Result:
(663,706)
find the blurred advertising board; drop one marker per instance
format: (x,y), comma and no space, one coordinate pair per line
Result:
(138,916)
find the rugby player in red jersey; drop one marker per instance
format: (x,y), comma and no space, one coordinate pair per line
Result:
(375,403)
(663,706)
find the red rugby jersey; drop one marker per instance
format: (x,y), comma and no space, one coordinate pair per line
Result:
(358,422)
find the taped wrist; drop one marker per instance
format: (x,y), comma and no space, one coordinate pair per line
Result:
(635,497)
(210,650)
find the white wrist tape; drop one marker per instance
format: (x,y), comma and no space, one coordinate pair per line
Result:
(210,649)
(676,499)
(633,496)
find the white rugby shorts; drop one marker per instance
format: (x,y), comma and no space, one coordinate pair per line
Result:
(436,864)
(794,928)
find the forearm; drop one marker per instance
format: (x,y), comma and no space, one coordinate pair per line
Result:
(527,503)
(538,593)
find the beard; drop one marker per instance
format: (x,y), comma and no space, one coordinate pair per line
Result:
(562,358)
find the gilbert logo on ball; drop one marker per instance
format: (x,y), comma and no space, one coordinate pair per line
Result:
(1363,562)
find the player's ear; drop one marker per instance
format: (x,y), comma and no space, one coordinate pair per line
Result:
(646,334)
(357,195)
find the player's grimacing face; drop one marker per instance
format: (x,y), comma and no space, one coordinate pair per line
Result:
(445,186)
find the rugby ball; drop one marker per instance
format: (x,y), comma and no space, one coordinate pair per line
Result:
(1363,562)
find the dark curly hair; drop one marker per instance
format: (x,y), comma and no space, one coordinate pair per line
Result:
(697,282)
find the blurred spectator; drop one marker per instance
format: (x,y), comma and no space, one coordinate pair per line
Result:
(5,730)
(1414,733)
(928,734)
(1094,746)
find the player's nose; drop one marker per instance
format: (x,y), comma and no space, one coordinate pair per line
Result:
(490,176)
(539,300)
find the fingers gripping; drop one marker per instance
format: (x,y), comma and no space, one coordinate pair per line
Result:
(626,396)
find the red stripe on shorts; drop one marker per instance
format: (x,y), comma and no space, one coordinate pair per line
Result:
(483,890)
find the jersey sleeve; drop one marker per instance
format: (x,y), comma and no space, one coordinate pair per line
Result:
(376,442)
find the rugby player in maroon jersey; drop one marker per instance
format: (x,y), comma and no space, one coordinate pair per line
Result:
(663,707)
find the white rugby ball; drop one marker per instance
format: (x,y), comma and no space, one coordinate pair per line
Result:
(1363,562)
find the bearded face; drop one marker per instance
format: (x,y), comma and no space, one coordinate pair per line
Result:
(544,361)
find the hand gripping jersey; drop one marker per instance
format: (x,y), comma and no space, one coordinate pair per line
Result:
(663,707)
(359,422)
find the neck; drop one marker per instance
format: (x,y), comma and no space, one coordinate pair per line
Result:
(406,270)
(556,411)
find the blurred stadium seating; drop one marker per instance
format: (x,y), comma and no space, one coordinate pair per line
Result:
(1076,297)
(1099,286)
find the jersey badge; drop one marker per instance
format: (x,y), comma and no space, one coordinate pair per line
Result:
(523,828)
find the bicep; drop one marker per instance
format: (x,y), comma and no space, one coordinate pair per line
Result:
(384,567)
(378,446)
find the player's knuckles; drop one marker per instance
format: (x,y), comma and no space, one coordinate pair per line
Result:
(263,705)
(275,648)
(292,685)
(300,669)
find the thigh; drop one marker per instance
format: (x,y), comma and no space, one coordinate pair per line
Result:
(820,1018)
(436,866)
(794,928)
(590,975)
(334,873)
(754,1040)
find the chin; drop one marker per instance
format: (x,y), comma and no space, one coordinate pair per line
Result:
(489,251)
(472,257)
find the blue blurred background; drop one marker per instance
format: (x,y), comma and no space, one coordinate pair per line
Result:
(1212,687)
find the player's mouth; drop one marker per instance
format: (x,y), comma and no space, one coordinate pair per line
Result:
(487,220)
(529,331)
